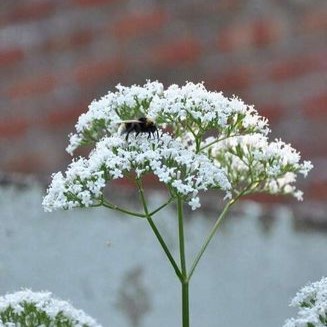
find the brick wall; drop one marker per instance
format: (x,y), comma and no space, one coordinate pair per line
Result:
(57,56)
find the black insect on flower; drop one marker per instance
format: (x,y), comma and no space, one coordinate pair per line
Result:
(141,125)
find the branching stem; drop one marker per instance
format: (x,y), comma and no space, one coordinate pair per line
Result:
(156,231)
(209,237)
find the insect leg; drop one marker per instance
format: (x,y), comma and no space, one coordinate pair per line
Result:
(128,131)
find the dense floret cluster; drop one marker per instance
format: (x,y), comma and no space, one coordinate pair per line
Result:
(254,163)
(207,141)
(183,171)
(189,108)
(312,303)
(27,308)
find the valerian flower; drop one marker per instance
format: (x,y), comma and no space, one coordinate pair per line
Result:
(183,171)
(190,108)
(214,142)
(27,308)
(312,303)
(104,115)
(256,165)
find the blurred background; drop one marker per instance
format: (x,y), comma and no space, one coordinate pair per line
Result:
(58,56)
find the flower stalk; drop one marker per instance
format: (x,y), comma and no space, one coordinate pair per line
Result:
(156,231)
(209,238)
(185,279)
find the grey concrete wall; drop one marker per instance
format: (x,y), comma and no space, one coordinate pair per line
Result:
(112,267)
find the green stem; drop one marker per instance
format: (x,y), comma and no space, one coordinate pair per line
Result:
(219,140)
(181,235)
(185,280)
(115,207)
(135,214)
(185,304)
(209,237)
(152,213)
(156,231)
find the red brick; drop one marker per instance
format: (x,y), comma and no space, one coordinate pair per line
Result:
(316,107)
(226,4)
(64,116)
(76,39)
(233,80)
(31,10)
(177,52)
(314,20)
(81,38)
(88,73)
(32,86)
(26,163)
(312,144)
(13,127)
(245,35)
(265,32)
(273,112)
(10,57)
(268,198)
(124,183)
(195,9)
(149,181)
(318,190)
(94,3)
(235,36)
(139,23)
(293,67)
(210,7)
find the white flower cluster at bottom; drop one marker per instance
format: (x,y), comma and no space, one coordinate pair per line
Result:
(28,305)
(312,303)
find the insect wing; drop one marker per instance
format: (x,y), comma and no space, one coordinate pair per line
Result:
(128,121)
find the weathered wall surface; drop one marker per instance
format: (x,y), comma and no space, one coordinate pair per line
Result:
(57,56)
(112,266)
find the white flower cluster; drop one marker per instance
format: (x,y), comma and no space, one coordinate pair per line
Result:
(252,160)
(183,171)
(238,158)
(312,303)
(104,115)
(27,308)
(190,107)
(199,110)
